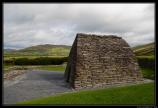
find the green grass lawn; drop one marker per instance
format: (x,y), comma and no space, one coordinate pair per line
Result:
(8,57)
(147,57)
(51,67)
(142,94)
(6,68)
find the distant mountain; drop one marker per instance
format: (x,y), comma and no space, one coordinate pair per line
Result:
(144,50)
(9,50)
(41,50)
(63,50)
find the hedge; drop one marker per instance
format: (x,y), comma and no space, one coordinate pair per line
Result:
(9,61)
(146,62)
(37,61)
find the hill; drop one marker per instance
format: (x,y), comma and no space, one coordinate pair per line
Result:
(40,50)
(63,50)
(9,50)
(144,50)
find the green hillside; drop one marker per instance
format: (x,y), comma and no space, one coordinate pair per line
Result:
(39,50)
(63,50)
(144,50)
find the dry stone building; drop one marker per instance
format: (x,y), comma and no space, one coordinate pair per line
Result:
(101,60)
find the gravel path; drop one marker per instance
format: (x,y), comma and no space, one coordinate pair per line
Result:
(34,84)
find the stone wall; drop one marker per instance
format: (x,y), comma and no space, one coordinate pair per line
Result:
(71,65)
(101,60)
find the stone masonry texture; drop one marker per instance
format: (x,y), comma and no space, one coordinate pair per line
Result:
(98,60)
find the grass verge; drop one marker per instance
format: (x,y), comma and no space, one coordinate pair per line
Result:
(142,94)
(51,68)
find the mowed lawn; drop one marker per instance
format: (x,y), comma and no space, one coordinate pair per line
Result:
(142,94)
(39,67)
(51,67)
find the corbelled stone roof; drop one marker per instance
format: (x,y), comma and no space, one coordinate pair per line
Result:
(98,60)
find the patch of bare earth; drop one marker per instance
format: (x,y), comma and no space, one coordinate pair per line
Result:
(12,74)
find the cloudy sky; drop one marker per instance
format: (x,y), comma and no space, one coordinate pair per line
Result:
(32,24)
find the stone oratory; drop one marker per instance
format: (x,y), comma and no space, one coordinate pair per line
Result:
(98,60)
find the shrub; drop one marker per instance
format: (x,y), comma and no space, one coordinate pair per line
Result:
(148,73)
(146,62)
(21,61)
(9,62)
(37,61)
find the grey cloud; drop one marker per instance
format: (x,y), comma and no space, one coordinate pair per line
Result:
(28,24)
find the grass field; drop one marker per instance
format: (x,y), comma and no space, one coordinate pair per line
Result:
(148,57)
(6,67)
(147,49)
(39,51)
(7,57)
(38,67)
(51,67)
(142,94)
